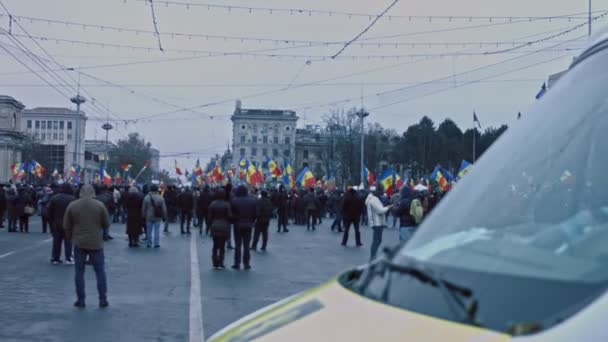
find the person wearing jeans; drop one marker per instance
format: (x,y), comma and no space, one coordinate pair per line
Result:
(154,211)
(96,257)
(84,222)
(55,209)
(376,214)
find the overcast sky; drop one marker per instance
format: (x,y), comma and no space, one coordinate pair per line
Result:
(177,79)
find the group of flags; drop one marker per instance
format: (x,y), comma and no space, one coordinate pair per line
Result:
(33,167)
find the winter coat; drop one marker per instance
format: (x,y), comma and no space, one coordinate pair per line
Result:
(185,201)
(57,206)
(203,202)
(11,203)
(244,208)
(147,211)
(85,220)
(376,212)
(134,207)
(403,210)
(281,200)
(220,214)
(311,202)
(23,200)
(352,206)
(264,210)
(3,203)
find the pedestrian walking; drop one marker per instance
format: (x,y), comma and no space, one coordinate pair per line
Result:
(311,207)
(11,208)
(352,207)
(407,223)
(202,207)
(135,220)
(185,203)
(3,205)
(244,211)
(84,222)
(219,215)
(25,208)
(56,209)
(281,204)
(117,200)
(376,214)
(42,204)
(335,208)
(154,211)
(264,210)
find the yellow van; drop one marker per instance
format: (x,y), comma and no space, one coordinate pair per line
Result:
(518,251)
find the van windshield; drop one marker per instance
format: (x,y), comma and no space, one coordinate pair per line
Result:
(526,230)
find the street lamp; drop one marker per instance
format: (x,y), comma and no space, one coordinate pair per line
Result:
(362,114)
(107,127)
(78,100)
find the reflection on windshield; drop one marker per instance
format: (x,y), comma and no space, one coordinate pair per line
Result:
(537,205)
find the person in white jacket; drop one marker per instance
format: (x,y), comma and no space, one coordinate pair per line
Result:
(376,214)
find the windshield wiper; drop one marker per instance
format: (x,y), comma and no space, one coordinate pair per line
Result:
(460,299)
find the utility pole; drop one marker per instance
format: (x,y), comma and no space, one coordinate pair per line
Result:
(362,114)
(78,100)
(589,22)
(106,127)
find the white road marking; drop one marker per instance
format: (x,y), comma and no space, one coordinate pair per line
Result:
(196,312)
(24,249)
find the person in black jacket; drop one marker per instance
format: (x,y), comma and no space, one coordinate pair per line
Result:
(135,220)
(407,224)
(170,197)
(281,204)
(244,211)
(202,206)
(219,215)
(56,208)
(105,197)
(2,206)
(11,207)
(352,207)
(264,210)
(24,199)
(185,203)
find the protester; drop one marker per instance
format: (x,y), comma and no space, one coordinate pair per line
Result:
(56,209)
(84,222)
(264,210)
(11,206)
(24,210)
(42,203)
(352,207)
(335,209)
(219,214)
(133,207)
(154,211)
(202,207)
(3,205)
(407,224)
(117,200)
(105,197)
(394,201)
(244,211)
(282,207)
(376,214)
(185,203)
(312,207)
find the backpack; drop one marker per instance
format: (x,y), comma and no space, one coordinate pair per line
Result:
(416,210)
(158,209)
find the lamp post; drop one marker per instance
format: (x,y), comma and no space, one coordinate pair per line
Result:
(106,127)
(78,100)
(362,114)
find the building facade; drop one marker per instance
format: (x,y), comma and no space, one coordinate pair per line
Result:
(61,133)
(95,152)
(257,133)
(11,139)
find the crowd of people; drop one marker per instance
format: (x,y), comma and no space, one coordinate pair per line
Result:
(236,218)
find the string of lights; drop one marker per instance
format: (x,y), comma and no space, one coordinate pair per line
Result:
(259,40)
(230,9)
(306,57)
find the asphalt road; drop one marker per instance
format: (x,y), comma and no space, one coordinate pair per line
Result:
(149,290)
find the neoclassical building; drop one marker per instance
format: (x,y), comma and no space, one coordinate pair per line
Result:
(11,139)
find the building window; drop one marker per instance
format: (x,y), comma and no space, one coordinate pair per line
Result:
(49,124)
(61,124)
(69,135)
(29,123)
(242,152)
(254,151)
(287,153)
(69,124)
(60,136)
(255,128)
(276,140)
(265,139)
(55,124)
(265,151)
(287,141)
(37,124)
(54,136)
(43,124)
(43,136)
(305,154)
(275,152)
(254,139)
(276,129)
(36,135)
(242,139)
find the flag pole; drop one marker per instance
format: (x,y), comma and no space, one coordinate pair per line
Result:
(474,137)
